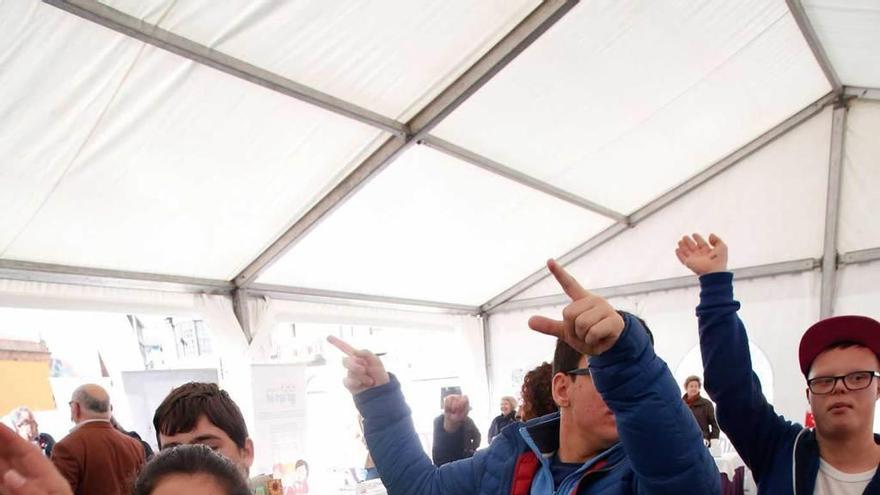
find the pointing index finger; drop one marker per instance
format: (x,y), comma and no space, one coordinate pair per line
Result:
(568,283)
(342,345)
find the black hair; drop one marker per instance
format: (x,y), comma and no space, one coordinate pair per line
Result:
(191,460)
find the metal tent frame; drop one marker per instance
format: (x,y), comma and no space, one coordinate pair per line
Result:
(403,135)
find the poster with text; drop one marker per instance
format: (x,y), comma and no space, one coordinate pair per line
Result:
(279,418)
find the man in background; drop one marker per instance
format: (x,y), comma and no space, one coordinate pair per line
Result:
(455,434)
(95,458)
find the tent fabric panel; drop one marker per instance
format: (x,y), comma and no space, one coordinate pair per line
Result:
(57,77)
(857,291)
(188,157)
(392,57)
(678,89)
(776,311)
(849,31)
(752,206)
(858,227)
(20,294)
(435,229)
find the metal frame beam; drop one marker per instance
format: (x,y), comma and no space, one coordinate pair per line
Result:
(768,270)
(526,32)
(861,93)
(121,22)
(355,299)
(496,168)
(812,39)
(666,199)
(832,210)
(96,277)
(860,256)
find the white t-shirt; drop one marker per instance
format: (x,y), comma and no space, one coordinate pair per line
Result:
(830,481)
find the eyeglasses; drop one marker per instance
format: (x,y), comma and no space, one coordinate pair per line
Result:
(579,372)
(856,380)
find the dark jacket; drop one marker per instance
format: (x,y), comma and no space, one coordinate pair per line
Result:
(499,423)
(704,413)
(96,459)
(771,446)
(46,443)
(651,419)
(459,444)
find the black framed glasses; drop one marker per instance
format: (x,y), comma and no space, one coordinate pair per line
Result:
(857,380)
(579,372)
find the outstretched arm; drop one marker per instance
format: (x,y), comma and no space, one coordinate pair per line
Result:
(639,389)
(391,437)
(750,422)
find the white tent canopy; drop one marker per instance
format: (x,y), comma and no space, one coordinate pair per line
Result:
(430,155)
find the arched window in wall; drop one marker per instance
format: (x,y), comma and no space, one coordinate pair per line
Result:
(692,364)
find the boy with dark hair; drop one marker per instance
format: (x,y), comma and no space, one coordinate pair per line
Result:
(202,413)
(839,359)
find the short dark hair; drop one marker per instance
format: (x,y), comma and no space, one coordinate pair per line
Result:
(191,460)
(182,408)
(566,358)
(692,378)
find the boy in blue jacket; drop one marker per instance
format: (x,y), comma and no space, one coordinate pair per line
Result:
(621,429)
(839,359)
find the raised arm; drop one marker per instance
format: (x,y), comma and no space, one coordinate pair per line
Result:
(744,414)
(404,467)
(639,389)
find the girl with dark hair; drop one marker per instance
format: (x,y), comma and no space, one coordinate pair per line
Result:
(192,469)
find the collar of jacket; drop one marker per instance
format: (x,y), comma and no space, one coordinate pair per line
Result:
(806,465)
(543,434)
(100,423)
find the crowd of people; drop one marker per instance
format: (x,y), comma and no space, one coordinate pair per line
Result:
(604,417)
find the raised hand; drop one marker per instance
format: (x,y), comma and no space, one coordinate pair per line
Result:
(25,471)
(365,369)
(589,324)
(700,256)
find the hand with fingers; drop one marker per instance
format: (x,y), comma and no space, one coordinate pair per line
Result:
(24,470)
(455,410)
(589,324)
(365,369)
(700,256)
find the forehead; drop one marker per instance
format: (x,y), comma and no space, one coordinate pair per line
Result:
(203,428)
(174,484)
(844,360)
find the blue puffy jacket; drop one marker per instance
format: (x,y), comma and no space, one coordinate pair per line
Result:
(783,456)
(660,450)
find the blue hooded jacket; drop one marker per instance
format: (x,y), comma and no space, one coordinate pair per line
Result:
(783,456)
(660,450)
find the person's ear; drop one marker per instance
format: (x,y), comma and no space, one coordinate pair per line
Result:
(248,452)
(561,387)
